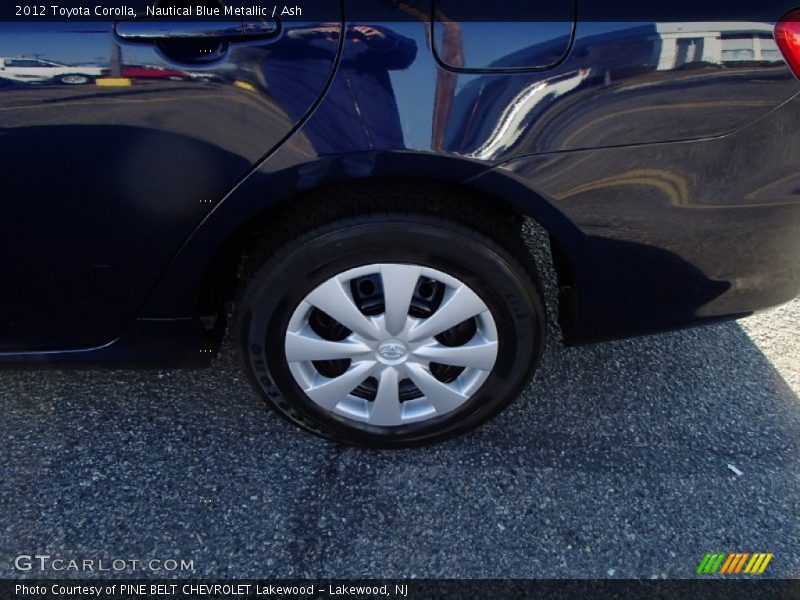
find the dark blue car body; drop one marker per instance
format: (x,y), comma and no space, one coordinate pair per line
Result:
(659,150)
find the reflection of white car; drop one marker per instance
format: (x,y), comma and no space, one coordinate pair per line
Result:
(35,70)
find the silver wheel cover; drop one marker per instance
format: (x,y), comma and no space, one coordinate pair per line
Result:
(74,79)
(391,347)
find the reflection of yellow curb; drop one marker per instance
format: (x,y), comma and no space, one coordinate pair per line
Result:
(245,85)
(113,82)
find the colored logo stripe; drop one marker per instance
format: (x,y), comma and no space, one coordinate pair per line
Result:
(731,564)
(710,563)
(734,563)
(758,563)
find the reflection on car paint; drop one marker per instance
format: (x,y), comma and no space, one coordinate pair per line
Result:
(141,163)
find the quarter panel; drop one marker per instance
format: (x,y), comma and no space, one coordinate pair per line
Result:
(674,234)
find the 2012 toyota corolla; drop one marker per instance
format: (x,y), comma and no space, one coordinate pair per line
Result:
(355,180)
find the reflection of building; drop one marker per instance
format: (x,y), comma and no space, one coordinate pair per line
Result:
(714,43)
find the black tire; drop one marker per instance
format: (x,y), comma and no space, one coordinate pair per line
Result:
(499,271)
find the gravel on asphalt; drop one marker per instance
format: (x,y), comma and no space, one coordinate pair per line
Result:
(618,458)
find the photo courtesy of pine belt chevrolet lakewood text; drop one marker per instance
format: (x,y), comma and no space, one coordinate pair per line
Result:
(344,190)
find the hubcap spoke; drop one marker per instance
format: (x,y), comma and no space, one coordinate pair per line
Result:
(332,299)
(443,397)
(386,409)
(399,283)
(301,347)
(462,305)
(481,355)
(332,392)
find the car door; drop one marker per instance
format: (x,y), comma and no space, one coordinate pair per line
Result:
(103,182)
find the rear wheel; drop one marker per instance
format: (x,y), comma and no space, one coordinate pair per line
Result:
(389,329)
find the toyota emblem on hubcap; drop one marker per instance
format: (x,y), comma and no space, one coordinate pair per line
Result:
(393,350)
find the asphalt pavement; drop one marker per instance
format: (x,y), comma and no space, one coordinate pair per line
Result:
(627,459)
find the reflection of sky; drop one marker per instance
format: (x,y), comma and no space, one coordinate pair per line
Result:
(484,45)
(90,43)
(70,43)
(415,90)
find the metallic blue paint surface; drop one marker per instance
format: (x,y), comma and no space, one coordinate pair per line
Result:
(659,154)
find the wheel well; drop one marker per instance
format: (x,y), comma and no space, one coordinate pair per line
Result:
(476,208)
